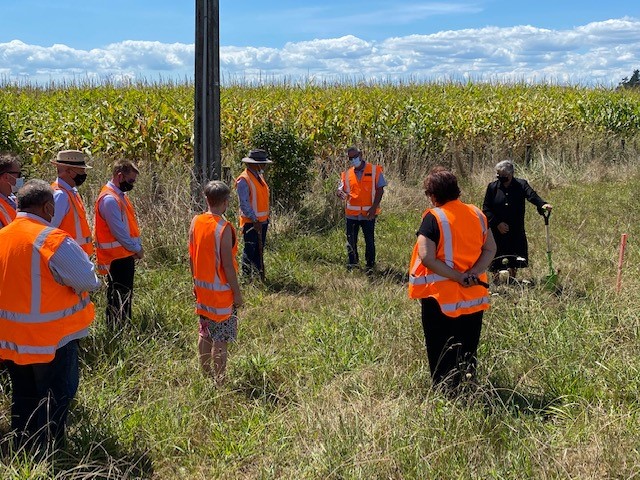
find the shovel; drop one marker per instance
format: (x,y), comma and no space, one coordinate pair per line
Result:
(550,280)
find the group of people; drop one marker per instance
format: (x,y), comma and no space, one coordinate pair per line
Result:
(47,272)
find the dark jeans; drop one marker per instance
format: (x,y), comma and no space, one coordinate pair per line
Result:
(41,394)
(368,229)
(452,343)
(252,257)
(120,291)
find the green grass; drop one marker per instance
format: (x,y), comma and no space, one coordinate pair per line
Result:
(329,379)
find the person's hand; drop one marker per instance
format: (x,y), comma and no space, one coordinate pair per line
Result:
(257,226)
(371,213)
(547,206)
(341,194)
(139,255)
(503,228)
(238,301)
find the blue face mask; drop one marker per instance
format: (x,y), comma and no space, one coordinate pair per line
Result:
(355,161)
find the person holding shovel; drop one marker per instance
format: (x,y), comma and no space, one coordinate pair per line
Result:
(253,197)
(504,208)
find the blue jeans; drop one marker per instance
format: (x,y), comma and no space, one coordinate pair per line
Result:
(368,229)
(41,394)
(252,257)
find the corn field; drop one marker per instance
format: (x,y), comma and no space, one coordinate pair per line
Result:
(465,123)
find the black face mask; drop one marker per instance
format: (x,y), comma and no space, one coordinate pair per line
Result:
(80,178)
(125,186)
(503,180)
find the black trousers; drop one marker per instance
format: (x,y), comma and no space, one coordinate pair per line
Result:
(452,343)
(368,230)
(252,257)
(41,394)
(120,291)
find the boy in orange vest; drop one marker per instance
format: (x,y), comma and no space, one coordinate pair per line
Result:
(212,251)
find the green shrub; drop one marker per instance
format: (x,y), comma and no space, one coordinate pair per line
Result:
(291,155)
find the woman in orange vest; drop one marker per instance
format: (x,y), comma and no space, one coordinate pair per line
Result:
(44,310)
(212,250)
(10,182)
(447,273)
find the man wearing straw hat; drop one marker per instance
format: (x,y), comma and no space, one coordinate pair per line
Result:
(253,196)
(70,214)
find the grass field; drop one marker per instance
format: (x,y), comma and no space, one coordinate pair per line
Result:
(329,379)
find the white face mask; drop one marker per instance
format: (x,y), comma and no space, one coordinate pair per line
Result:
(19,184)
(355,161)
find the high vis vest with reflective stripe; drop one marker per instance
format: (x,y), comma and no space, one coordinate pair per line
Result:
(214,298)
(7,213)
(361,193)
(108,248)
(37,314)
(258,196)
(463,231)
(75,221)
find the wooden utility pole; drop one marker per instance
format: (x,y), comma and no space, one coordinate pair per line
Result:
(206,128)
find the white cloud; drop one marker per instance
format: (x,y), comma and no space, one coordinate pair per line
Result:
(598,53)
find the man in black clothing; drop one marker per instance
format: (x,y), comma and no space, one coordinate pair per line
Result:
(504,207)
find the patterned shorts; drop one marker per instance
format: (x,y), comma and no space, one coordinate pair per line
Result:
(226,331)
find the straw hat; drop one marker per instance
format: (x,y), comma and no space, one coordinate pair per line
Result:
(71,158)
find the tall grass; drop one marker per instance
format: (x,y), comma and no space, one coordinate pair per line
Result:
(329,379)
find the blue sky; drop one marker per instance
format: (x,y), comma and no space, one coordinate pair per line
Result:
(592,42)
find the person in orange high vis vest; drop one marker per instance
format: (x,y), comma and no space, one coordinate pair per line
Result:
(253,197)
(71,216)
(10,182)
(447,273)
(212,251)
(361,187)
(118,241)
(44,310)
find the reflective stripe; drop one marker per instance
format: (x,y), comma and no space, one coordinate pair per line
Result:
(7,218)
(36,317)
(481,219)
(113,244)
(216,286)
(36,256)
(452,307)
(447,242)
(40,350)
(215,311)
(424,279)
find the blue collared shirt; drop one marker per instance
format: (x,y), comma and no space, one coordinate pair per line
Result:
(61,201)
(116,219)
(69,265)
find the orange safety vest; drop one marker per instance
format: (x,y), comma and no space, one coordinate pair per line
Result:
(108,248)
(37,314)
(361,193)
(75,221)
(258,196)
(463,231)
(214,297)
(7,213)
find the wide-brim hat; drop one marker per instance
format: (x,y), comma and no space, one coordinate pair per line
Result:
(257,155)
(71,158)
